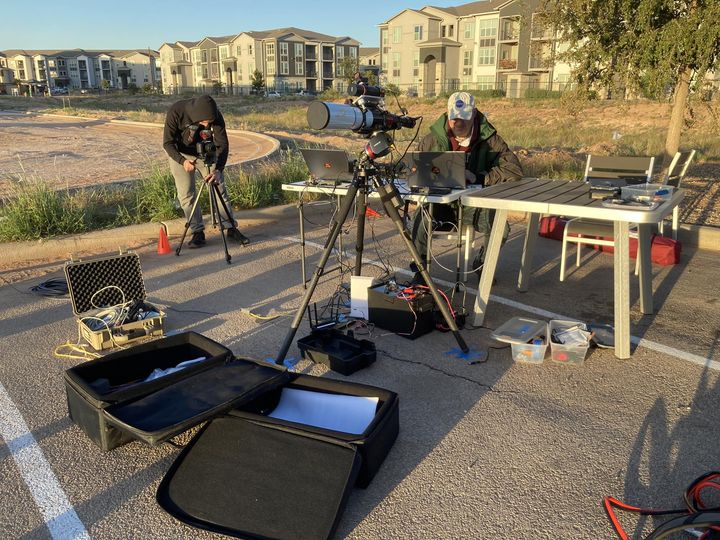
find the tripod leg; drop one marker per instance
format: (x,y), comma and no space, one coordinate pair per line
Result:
(187,223)
(342,214)
(360,236)
(215,201)
(388,196)
(302,242)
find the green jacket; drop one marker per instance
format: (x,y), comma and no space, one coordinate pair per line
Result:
(490,159)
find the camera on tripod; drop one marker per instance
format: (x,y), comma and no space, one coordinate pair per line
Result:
(205,148)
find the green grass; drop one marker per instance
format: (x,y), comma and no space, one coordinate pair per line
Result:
(34,211)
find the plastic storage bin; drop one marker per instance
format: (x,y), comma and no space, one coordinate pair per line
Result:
(529,352)
(522,334)
(567,353)
(647,192)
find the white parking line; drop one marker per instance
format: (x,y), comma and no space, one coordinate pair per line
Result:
(641,342)
(58,513)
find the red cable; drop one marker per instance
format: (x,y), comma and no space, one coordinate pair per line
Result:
(692,498)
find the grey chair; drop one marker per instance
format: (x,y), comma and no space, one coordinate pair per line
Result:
(674,177)
(603,169)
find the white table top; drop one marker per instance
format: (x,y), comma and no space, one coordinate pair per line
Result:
(562,197)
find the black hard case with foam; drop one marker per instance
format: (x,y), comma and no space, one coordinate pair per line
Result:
(97,284)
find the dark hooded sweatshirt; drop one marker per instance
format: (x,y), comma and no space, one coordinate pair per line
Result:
(189,112)
(489,158)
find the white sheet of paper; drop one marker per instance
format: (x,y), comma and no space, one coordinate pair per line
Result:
(349,414)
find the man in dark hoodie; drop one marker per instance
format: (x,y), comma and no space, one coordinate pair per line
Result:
(488,161)
(184,121)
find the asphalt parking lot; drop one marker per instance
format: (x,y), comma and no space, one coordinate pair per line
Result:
(487,450)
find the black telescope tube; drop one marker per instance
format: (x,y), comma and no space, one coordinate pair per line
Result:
(365,90)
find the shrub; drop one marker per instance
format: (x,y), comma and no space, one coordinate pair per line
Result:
(541,93)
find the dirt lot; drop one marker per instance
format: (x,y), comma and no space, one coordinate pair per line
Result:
(74,152)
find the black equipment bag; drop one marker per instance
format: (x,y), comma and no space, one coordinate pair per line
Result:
(244,473)
(112,402)
(243,479)
(249,475)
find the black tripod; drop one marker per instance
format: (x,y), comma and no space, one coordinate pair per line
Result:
(366,176)
(216,200)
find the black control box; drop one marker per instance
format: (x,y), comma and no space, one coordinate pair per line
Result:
(406,311)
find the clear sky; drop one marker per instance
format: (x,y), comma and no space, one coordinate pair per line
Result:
(138,24)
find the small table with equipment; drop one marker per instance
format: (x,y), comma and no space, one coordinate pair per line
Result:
(567,198)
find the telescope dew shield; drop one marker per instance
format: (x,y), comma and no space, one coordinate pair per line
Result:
(321,115)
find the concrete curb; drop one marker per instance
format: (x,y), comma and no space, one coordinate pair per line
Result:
(706,238)
(133,235)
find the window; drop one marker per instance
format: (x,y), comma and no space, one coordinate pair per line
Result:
(416,64)
(284,63)
(384,37)
(198,72)
(223,52)
(238,50)
(61,62)
(239,71)
(299,67)
(486,56)
(396,64)
(353,52)
(418,33)
(443,31)
(299,50)
(485,82)
(469,30)
(340,53)
(487,32)
(487,28)
(213,55)
(451,30)
(397,34)
(203,56)
(250,50)
(467,63)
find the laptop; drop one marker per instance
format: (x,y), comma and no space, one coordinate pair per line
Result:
(327,167)
(435,172)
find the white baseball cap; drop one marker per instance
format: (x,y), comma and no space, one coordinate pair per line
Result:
(461,105)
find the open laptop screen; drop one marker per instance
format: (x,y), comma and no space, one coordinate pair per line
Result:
(331,165)
(435,169)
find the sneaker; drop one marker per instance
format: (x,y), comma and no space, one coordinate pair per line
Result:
(197,240)
(240,238)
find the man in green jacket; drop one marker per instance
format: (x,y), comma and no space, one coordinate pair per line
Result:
(488,161)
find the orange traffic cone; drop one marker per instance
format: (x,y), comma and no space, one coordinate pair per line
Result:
(163,247)
(369,212)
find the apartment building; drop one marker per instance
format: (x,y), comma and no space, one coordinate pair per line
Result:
(492,44)
(35,71)
(289,59)
(370,60)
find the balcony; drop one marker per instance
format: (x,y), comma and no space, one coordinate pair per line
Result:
(507,64)
(540,63)
(312,73)
(542,32)
(509,30)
